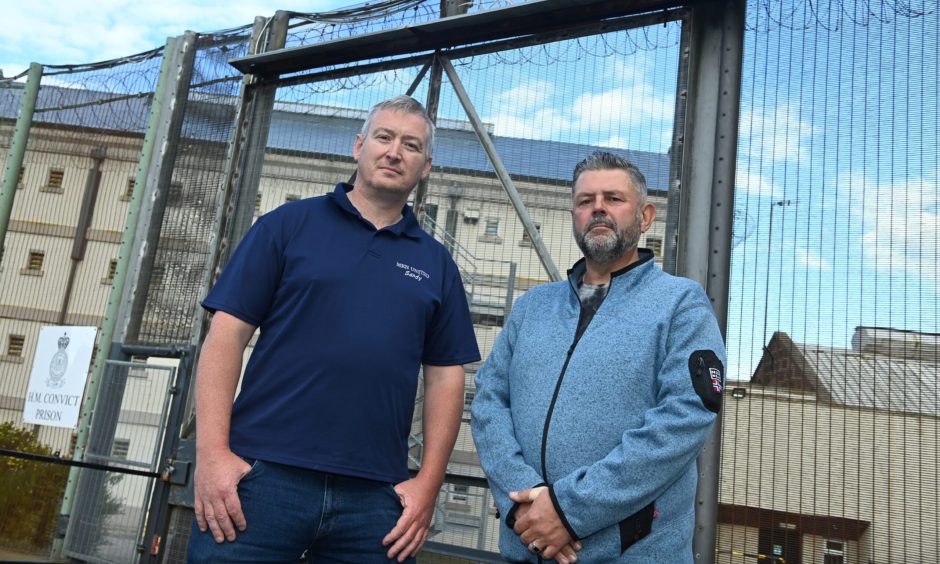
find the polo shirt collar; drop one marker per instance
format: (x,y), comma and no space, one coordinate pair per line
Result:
(408,226)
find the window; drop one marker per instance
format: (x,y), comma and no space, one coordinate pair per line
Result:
(291,198)
(15,345)
(120,448)
(459,493)
(491,231)
(429,216)
(157,276)
(174,195)
(467,402)
(19,179)
(128,190)
(34,263)
(54,181)
(112,270)
(833,552)
(655,244)
(56,176)
(526,240)
(492,227)
(258,203)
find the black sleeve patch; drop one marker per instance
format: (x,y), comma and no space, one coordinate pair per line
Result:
(708,378)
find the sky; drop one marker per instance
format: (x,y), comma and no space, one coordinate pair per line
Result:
(65,32)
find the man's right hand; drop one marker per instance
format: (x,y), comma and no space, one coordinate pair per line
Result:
(217,506)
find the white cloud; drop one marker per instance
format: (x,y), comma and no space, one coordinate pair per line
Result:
(811,260)
(59,32)
(900,222)
(755,185)
(777,134)
(526,111)
(533,94)
(623,108)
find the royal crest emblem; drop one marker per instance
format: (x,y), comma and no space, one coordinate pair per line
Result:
(59,364)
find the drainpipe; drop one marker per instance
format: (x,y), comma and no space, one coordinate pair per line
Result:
(80,242)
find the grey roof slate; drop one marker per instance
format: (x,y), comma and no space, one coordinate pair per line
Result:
(309,132)
(866,379)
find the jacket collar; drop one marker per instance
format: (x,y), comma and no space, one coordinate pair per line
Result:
(576,272)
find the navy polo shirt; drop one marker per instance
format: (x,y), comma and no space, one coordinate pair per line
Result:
(347,314)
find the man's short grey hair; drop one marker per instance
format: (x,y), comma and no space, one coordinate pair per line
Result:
(405,104)
(603,160)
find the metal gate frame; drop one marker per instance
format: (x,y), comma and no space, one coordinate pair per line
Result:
(164,468)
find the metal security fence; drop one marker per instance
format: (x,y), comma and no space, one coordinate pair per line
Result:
(829,442)
(790,149)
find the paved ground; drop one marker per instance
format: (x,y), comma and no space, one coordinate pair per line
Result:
(10,556)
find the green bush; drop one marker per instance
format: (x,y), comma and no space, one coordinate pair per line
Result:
(30,492)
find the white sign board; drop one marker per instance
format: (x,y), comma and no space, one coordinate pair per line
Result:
(57,382)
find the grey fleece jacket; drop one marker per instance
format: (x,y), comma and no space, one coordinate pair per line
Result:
(611,419)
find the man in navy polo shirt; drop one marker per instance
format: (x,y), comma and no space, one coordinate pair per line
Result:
(352,299)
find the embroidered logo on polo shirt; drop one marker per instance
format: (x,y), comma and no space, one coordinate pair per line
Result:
(412,272)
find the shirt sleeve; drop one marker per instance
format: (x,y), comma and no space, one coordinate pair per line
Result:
(249,282)
(450,339)
(491,421)
(650,458)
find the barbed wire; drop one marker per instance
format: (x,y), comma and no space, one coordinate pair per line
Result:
(766,15)
(313,27)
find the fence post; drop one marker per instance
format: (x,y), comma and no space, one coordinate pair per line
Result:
(704,246)
(114,300)
(24,122)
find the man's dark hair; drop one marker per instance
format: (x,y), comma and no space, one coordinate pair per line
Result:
(603,160)
(405,104)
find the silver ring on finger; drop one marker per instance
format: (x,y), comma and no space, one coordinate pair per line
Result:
(534,548)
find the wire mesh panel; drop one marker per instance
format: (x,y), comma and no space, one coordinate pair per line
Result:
(830,442)
(109,514)
(173,275)
(61,248)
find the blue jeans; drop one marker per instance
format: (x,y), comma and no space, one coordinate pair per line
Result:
(291,511)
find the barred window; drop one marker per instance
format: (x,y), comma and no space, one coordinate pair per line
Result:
(492,227)
(15,345)
(56,176)
(112,271)
(35,261)
(129,190)
(120,448)
(526,240)
(174,196)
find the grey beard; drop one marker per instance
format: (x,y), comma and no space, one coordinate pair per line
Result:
(607,249)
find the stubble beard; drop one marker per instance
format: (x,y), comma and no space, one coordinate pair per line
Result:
(606,249)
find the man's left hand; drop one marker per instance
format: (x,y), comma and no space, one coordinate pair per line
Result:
(409,534)
(540,523)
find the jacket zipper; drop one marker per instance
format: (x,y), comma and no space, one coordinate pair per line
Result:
(561,377)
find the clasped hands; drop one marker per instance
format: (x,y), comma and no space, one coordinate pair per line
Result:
(540,528)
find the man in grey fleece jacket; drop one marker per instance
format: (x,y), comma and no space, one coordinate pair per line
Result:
(599,393)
